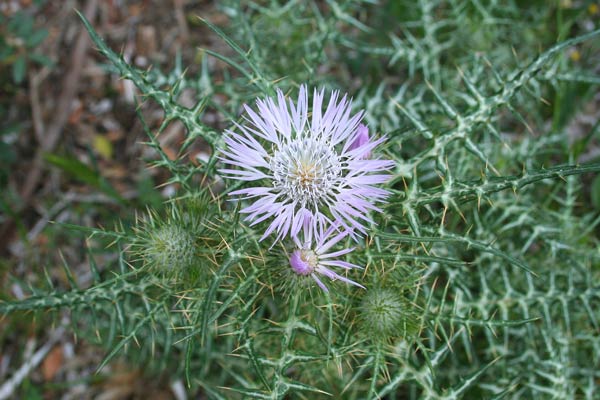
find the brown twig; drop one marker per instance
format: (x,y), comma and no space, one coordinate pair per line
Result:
(8,388)
(181,21)
(49,138)
(63,108)
(34,99)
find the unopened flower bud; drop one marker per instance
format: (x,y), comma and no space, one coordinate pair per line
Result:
(362,138)
(385,313)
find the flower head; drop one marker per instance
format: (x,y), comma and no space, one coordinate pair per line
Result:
(362,140)
(313,165)
(311,258)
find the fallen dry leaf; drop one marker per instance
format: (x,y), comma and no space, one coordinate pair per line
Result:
(52,363)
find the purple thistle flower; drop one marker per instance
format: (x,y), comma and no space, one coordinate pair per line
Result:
(313,165)
(312,259)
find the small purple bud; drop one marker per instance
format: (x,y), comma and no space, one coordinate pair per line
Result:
(362,138)
(303,262)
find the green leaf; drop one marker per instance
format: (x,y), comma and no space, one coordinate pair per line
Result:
(7,155)
(11,128)
(5,51)
(75,168)
(36,38)
(85,174)
(18,69)
(41,60)
(20,24)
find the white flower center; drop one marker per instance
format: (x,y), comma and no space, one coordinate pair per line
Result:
(306,170)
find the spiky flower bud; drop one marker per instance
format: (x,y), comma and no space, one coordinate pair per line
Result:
(385,313)
(171,247)
(175,245)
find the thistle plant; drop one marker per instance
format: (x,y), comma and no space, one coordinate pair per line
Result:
(446,205)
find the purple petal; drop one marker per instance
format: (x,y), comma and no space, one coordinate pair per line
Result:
(334,276)
(341,264)
(321,284)
(337,253)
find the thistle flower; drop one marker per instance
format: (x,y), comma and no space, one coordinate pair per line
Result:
(316,167)
(311,258)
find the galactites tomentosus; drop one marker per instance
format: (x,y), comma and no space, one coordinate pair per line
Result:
(385,313)
(311,256)
(311,164)
(172,244)
(311,261)
(389,308)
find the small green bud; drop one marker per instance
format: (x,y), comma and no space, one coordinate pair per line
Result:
(385,313)
(170,248)
(182,243)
